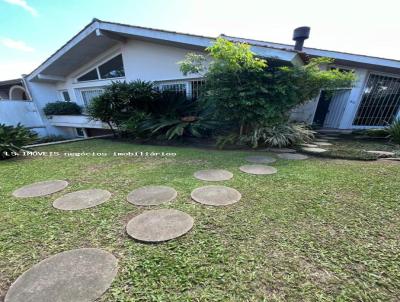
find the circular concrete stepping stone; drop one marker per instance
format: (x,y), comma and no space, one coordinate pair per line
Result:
(292,156)
(159,225)
(314,150)
(382,153)
(40,188)
(321,144)
(216,195)
(213,175)
(151,195)
(258,169)
(81,199)
(281,150)
(309,145)
(320,140)
(77,275)
(260,159)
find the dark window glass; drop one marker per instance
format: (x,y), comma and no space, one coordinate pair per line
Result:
(112,69)
(66,96)
(80,132)
(91,75)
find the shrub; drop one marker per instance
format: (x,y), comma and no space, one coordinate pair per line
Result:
(62,108)
(250,94)
(120,99)
(173,116)
(394,131)
(50,138)
(13,138)
(280,136)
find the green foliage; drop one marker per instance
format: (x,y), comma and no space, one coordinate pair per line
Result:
(120,99)
(50,138)
(13,138)
(250,94)
(283,135)
(394,131)
(177,117)
(379,132)
(62,108)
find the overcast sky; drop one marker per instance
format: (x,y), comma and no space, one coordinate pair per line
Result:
(31,30)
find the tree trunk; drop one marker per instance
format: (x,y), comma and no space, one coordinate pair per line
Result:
(112,129)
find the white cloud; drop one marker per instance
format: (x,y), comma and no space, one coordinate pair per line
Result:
(12,69)
(24,5)
(14,44)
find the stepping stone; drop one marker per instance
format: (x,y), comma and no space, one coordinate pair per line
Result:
(318,143)
(391,158)
(330,138)
(76,275)
(292,156)
(308,145)
(281,150)
(81,199)
(314,150)
(151,195)
(260,159)
(159,225)
(258,169)
(382,153)
(213,175)
(40,188)
(216,195)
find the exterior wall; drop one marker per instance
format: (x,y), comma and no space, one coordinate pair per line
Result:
(13,112)
(152,62)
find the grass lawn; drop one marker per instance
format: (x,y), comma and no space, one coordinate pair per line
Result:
(318,230)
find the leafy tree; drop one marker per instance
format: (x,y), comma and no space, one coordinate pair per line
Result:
(13,138)
(248,93)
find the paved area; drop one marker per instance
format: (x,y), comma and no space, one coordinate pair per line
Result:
(216,195)
(81,275)
(81,199)
(151,195)
(40,188)
(260,159)
(213,175)
(159,225)
(258,169)
(292,156)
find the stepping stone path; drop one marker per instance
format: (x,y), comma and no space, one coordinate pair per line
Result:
(318,143)
(258,169)
(81,199)
(216,195)
(281,150)
(159,225)
(314,150)
(260,159)
(292,156)
(76,275)
(213,175)
(308,145)
(40,188)
(382,153)
(152,195)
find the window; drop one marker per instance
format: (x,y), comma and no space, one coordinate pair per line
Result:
(113,68)
(80,132)
(178,88)
(89,94)
(65,96)
(90,76)
(380,102)
(197,86)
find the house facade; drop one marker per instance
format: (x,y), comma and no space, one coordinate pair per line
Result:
(104,52)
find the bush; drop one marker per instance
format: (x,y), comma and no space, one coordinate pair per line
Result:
(394,131)
(50,138)
(252,94)
(280,136)
(173,116)
(12,139)
(62,108)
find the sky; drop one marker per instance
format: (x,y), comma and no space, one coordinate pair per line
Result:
(32,30)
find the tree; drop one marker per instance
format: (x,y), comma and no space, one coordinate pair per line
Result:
(248,93)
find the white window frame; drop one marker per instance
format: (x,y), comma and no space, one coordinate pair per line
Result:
(83,130)
(62,98)
(96,67)
(79,93)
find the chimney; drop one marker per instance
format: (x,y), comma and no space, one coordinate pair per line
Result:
(299,35)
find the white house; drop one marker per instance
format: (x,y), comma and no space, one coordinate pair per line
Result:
(103,52)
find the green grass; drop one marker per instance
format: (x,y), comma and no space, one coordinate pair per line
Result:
(318,230)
